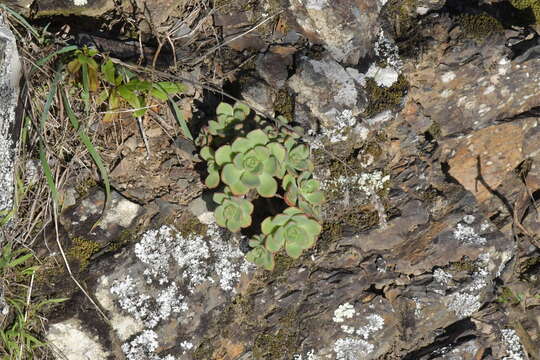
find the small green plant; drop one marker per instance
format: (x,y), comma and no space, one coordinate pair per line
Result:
(18,338)
(117,84)
(250,158)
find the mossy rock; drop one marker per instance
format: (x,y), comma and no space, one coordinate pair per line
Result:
(82,250)
(284,104)
(382,98)
(479,26)
(282,344)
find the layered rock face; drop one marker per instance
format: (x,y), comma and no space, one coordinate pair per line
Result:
(430,163)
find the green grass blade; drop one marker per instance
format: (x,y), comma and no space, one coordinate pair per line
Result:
(180,119)
(86,87)
(46,59)
(50,98)
(21,20)
(177,114)
(42,152)
(90,147)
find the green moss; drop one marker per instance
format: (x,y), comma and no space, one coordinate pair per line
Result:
(284,104)
(382,98)
(435,129)
(464,265)
(189,224)
(84,186)
(82,250)
(530,13)
(480,26)
(278,345)
(125,237)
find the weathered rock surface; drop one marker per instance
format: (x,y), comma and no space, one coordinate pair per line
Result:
(10,75)
(328,90)
(346,28)
(475,80)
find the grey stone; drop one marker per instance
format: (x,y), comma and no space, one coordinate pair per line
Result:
(10,75)
(346,28)
(328,90)
(75,342)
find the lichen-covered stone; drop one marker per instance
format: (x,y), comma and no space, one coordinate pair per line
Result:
(346,28)
(10,75)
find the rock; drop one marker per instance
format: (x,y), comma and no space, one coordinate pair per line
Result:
(259,95)
(201,209)
(76,342)
(10,75)
(168,174)
(73,7)
(157,12)
(273,69)
(234,24)
(477,82)
(481,161)
(81,220)
(346,28)
(328,90)
(160,293)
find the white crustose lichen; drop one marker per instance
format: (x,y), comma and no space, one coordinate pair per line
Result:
(190,260)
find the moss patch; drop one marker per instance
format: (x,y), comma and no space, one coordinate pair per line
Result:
(479,27)
(83,188)
(82,250)
(284,104)
(382,98)
(278,345)
(530,13)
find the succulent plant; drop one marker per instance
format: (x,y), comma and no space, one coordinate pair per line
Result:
(259,255)
(297,159)
(292,229)
(251,163)
(228,118)
(212,180)
(233,213)
(304,192)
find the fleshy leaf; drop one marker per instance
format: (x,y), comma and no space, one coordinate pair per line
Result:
(293,249)
(223,155)
(261,257)
(241,145)
(250,179)
(268,186)
(230,174)
(257,137)
(277,150)
(224,109)
(212,180)
(238,188)
(274,242)
(207,153)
